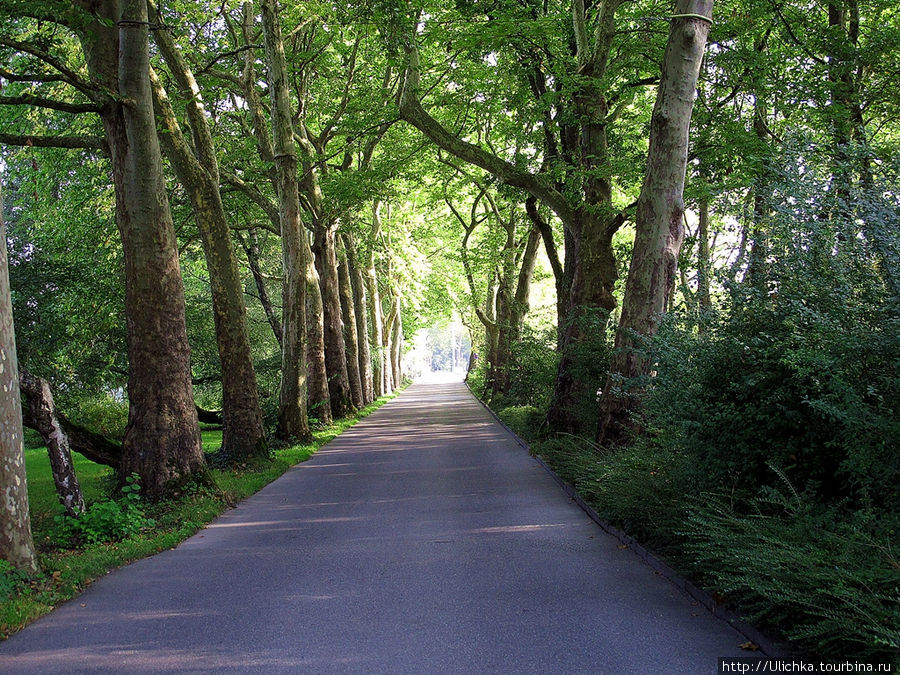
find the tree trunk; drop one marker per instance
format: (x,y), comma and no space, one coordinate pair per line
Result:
(386,345)
(360,303)
(376,316)
(335,353)
(397,343)
(594,278)
(351,333)
(659,217)
(16,544)
(162,440)
(521,304)
(42,411)
(319,399)
(243,435)
(703,261)
(296,255)
(251,248)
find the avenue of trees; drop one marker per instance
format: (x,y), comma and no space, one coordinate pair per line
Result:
(243,211)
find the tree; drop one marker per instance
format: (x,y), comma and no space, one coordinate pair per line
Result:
(162,441)
(296,254)
(42,414)
(198,169)
(16,545)
(659,213)
(570,117)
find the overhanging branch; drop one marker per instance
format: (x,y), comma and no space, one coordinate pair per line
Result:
(28,140)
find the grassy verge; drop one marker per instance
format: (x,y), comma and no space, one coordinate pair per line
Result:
(65,572)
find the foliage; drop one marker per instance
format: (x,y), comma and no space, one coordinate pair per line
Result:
(523,419)
(107,520)
(12,581)
(103,414)
(590,361)
(831,586)
(533,367)
(801,372)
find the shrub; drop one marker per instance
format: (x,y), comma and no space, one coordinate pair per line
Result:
(12,581)
(533,368)
(522,419)
(828,585)
(106,520)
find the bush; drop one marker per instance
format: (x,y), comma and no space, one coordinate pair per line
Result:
(525,420)
(830,586)
(533,368)
(107,520)
(12,581)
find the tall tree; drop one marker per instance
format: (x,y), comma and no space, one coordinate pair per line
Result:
(296,254)
(659,229)
(162,441)
(197,167)
(573,93)
(16,545)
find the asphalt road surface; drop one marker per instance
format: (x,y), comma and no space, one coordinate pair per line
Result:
(423,540)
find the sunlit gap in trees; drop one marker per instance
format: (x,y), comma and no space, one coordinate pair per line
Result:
(440,352)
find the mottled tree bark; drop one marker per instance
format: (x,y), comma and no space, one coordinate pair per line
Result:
(361,307)
(42,412)
(197,168)
(162,440)
(659,216)
(339,391)
(397,343)
(16,543)
(387,340)
(296,255)
(319,398)
(351,334)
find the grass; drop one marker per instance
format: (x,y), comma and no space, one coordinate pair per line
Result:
(65,573)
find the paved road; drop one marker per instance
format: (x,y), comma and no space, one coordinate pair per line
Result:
(423,540)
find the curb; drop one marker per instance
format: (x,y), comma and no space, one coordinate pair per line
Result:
(767,646)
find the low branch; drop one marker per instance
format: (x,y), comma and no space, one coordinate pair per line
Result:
(29,140)
(41,102)
(412,111)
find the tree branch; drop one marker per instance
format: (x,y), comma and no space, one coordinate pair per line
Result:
(547,235)
(68,75)
(41,102)
(258,198)
(411,110)
(28,140)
